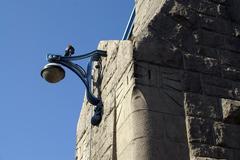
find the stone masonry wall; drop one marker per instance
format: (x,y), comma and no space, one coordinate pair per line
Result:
(196,44)
(173,91)
(115,130)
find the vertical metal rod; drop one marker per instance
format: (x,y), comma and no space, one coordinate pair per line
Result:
(129,27)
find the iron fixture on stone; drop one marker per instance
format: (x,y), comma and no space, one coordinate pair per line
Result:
(53,73)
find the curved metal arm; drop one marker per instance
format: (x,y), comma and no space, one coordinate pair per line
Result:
(86,77)
(86,81)
(97,54)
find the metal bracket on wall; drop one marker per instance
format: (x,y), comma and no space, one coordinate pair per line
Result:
(53,73)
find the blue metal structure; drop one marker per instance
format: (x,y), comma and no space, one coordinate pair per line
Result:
(129,27)
(85,76)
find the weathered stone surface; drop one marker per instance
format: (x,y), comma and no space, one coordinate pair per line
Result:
(232,44)
(230,72)
(202,64)
(200,130)
(231,111)
(169,101)
(219,87)
(205,158)
(175,129)
(147,74)
(230,65)
(227,135)
(168,150)
(210,39)
(192,82)
(109,63)
(159,51)
(172,91)
(216,24)
(171,79)
(197,105)
(124,84)
(233,9)
(145,11)
(203,150)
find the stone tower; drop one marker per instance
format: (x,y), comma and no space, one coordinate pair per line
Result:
(171,92)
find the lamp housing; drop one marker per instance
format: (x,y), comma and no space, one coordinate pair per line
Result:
(53,72)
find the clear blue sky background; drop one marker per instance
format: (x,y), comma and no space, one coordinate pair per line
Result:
(38,120)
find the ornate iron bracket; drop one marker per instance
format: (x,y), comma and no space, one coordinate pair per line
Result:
(53,73)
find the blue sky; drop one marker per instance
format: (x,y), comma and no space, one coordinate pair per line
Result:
(38,120)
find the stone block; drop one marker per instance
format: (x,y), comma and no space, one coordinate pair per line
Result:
(206,158)
(175,128)
(171,73)
(123,113)
(227,135)
(230,58)
(132,135)
(159,100)
(236,30)
(231,72)
(209,38)
(231,111)
(214,86)
(136,149)
(207,7)
(215,24)
(124,57)
(203,51)
(199,130)
(144,124)
(109,63)
(141,73)
(220,87)
(232,44)
(159,51)
(180,12)
(156,119)
(103,137)
(124,135)
(145,11)
(109,74)
(165,149)
(233,10)
(109,104)
(163,25)
(191,82)
(177,32)
(217,91)
(210,151)
(223,2)
(171,78)
(147,74)
(84,120)
(197,105)
(230,65)
(112,48)
(124,84)
(171,84)
(202,64)
(236,154)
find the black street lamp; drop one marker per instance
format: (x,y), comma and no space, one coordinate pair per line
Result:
(53,73)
